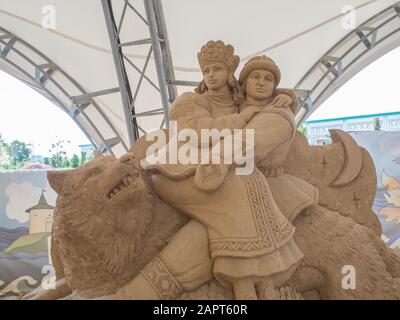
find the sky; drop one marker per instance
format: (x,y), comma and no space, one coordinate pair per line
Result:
(27,116)
(375,89)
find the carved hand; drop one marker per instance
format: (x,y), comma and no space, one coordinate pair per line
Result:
(282,101)
(249,112)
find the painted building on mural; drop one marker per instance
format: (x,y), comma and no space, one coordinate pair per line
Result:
(318,130)
(40,216)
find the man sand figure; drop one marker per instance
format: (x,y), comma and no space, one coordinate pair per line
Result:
(236,219)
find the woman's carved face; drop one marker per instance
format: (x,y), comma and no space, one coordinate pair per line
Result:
(260,84)
(215,76)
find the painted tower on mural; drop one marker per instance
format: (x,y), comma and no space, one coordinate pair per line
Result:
(40,216)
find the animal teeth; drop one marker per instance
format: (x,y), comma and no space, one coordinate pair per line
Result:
(127,180)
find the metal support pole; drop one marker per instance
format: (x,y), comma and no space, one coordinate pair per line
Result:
(37,72)
(87,97)
(158,57)
(166,50)
(123,81)
(341,58)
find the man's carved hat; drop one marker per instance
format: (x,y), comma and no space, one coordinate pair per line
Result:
(218,51)
(260,62)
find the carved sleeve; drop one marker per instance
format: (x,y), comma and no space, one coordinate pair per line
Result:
(276,131)
(292,94)
(191,111)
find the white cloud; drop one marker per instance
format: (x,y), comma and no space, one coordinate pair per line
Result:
(23,196)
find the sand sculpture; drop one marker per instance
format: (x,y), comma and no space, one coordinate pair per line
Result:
(127,229)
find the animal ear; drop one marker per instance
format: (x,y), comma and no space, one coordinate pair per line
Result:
(56,179)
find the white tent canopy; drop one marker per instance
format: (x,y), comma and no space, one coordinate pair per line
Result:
(296,34)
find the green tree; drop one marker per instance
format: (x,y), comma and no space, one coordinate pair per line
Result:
(74,161)
(55,163)
(377,124)
(46,160)
(17,151)
(83,157)
(58,154)
(66,163)
(304,131)
(90,157)
(8,166)
(2,145)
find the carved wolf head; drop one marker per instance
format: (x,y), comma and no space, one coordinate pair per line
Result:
(102,213)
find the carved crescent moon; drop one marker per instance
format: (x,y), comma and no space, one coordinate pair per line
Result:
(353,158)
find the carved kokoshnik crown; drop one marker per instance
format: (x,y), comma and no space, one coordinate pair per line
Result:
(218,51)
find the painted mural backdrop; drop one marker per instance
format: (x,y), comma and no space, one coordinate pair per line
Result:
(384,148)
(24,237)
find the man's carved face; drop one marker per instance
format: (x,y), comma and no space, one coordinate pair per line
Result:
(215,76)
(260,84)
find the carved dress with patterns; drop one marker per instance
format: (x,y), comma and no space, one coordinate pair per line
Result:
(249,236)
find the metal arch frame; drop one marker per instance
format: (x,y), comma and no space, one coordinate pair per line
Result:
(307,89)
(159,48)
(308,94)
(43,74)
(312,93)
